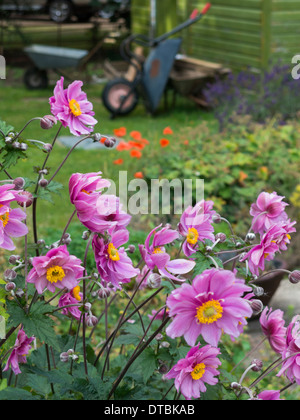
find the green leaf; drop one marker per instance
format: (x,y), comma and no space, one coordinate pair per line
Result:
(11,157)
(17,394)
(36,323)
(148,363)
(202,263)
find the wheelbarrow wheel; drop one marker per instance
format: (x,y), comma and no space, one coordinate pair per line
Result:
(120,97)
(36,79)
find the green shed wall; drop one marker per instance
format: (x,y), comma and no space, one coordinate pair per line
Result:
(236,33)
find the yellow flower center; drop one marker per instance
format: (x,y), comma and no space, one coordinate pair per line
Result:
(209,312)
(75,293)
(4,217)
(288,236)
(192,236)
(113,252)
(198,371)
(85,191)
(158,250)
(75,107)
(55,274)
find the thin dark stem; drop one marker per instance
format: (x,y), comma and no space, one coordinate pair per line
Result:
(65,159)
(132,359)
(67,225)
(124,321)
(49,365)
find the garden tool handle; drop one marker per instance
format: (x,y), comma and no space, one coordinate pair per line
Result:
(195,12)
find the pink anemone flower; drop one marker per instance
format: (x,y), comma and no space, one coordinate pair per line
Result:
(269,396)
(71,298)
(154,254)
(57,269)
(71,107)
(196,225)
(11,226)
(198,368)
(273,327)
(20,351)
(265,251)
(113,264)
(291,355)
(212,305)
(268,209)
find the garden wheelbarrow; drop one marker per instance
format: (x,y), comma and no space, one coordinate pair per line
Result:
(150,75)
(46,58)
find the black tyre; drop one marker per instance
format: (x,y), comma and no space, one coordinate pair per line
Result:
(60,11)
(36,79)
(120,97)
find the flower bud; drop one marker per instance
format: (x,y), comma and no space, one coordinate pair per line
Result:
(9,275)
(221,237)
(48,121)
(66,239)
(216,218)
(131,249)
(164,345)
(250,237)
(294,277)
(16,145)
(23,146)
(258,291)
(28,199)
(110,142)
(86,234)
(257,306)
(70,352)
(20,293)
(91,321)
(13,259)
(258,365)
(96,137)
(103,293)
(43,183)
(154,281)
(235,385)
(64,357)
(9,287)
(47,147)
(8,140)
(163,369)
(41,242)
(87,306)
(19,183)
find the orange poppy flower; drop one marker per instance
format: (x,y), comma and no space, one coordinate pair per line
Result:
(186,142)
(123,146)
(164,142)
(102,140)
(120,132)
(135,154)
(118,162)
(144,141)
(139,175)
(168,130)
(136,135)
(136,145)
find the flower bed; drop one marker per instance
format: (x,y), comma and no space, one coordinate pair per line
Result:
(171,320)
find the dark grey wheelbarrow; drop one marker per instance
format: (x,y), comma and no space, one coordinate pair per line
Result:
(149,76)
(47,58)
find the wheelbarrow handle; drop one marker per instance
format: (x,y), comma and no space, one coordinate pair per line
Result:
(195,12)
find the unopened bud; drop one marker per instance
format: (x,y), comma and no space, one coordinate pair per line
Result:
(164,345)
(64,357)
(48,121)
(8,140)
(258,291)
(20,293)
(16,145)
(257,306)
(91,321)
(154,281)
(97,137)
(163,369)
(221,237)
(13,259)
(23,146)
(131,249)
(66,239)
(47,147)
(9,275)
(43,183)
(235,385)
(250,237)
(86,234)
(258,365)
(216,218)
(103,293)
(87,306)
(10,286)
(27,198)
(19,183)
(70,352)
(294,277)
(109,142)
